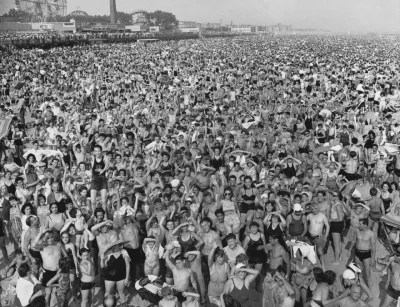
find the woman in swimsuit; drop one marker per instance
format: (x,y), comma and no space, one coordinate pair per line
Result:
(275,225)
(254,244)
(239,285)
(302,273)
(217,156)
(219,273)
(386,196)
(187,239)
(55,221)
(99,179)
(248,195)
(9,183)
(321,292)
(231,211)
(330,177)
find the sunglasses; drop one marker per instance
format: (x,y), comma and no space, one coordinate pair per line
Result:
(228,194)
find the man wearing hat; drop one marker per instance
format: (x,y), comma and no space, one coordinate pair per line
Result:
(297,222)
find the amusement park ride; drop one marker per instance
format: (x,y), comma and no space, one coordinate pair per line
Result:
(42,10)
(53,10)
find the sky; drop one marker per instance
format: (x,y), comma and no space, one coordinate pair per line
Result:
(334,15)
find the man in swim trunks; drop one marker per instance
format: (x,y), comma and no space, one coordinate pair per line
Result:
(316,233)
(365,246)
(51,253)
(30,236)
(393,281)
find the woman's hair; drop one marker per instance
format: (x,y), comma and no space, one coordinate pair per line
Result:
(218,253)
(26,205)
(249,178)
(23,270)
(329,277)
(389,186)
(73,212)
(318,274)
(52,204)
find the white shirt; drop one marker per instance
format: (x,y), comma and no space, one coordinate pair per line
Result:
(25,289)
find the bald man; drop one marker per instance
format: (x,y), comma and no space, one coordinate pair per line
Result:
(351,300)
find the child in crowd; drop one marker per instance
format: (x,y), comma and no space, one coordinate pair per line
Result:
(151,248)
(192,298)
(168,300)
(61,280)
(87,277)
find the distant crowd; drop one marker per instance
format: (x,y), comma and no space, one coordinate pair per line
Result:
(209,171)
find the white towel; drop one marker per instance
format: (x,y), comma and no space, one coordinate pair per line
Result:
(312,256)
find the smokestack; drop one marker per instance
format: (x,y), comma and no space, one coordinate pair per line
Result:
(113,11)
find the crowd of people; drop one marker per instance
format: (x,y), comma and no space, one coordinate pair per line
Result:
(200,172)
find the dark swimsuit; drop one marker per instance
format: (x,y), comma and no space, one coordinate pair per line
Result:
(245,206)
(255,256)
(241,295)
(99,182)
(186,245)
(386,203)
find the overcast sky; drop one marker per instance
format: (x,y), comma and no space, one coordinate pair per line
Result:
(335,15)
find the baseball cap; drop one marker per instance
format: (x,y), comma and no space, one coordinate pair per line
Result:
(297,207)
(349,274)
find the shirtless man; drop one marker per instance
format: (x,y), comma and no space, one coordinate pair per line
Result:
(209,237)
(182,276)
(351,300)
(130,232)
(365,246)
(278,255)
(51,252)
(316,231)
(220,225)
(209,207)
(202,180)
(393,281)
(350,168)
(375,205)
(194,259)
(310,179)
(30,251)
(104,235)
(323,205)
